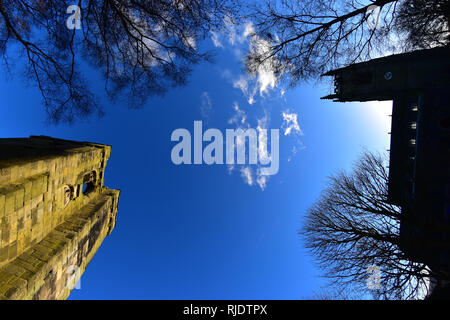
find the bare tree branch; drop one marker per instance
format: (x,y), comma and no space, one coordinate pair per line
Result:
(142,47)
(307,38)
(353,227)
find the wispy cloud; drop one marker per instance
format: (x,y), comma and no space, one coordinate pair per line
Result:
(252,176)
(206,106)
(291,127)
(264,79)
(216,40)
(249,30)
(290,124)
(256,88)
(190,43)
(230,29)
(263,147)
(235,33)
(262,181)
(242,83)
(262,130)
(239,118)
(247,175)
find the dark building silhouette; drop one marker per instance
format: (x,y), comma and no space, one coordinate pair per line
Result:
(419,169)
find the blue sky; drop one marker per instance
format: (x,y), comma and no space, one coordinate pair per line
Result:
(209,232)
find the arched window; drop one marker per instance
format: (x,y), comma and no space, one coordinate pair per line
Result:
(89,182)
(68,194)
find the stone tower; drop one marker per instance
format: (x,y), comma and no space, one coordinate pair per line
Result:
(54,214)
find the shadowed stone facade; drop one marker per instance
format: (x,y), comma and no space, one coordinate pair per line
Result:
(419,164)
(54,214)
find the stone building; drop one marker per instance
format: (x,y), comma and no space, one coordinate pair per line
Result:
(418,83)
(54,214)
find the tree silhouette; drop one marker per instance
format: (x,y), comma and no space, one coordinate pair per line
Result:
(301,39)
(142,47)
(352,227)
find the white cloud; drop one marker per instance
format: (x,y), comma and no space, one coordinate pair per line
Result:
(243,84)
(291,126)
(263,153)
(190,42)
(145,32)
(179,5)
(262,145)
(265,73)
(293,153)
(230,27)
(206,106)
(290,123)
(249,30)
(262,82)
(262,181)
(240,117)
(252,176)
(246,174)
(215,39)
(238,34)
(264,78)
(226,74)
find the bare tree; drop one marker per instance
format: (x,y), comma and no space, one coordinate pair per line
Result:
(142,47)
(354,232)
(305,38)
(424,23)
(332,294)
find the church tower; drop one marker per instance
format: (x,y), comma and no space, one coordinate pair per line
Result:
(418,83)
(54,214)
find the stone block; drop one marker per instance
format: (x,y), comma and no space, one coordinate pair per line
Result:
(27,187)
(10,200)
(2,205)
(36,188)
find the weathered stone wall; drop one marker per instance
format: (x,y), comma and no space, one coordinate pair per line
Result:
(50,226)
